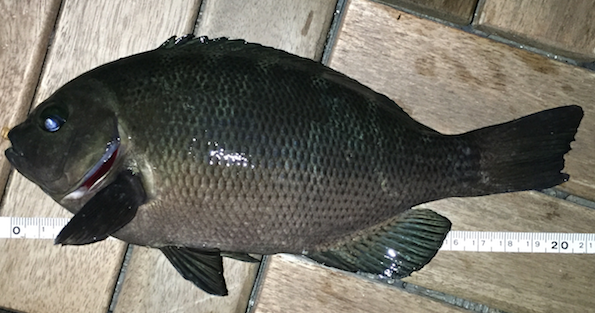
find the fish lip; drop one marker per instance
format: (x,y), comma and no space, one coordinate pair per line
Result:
(94,176)
(14,157)
(12,154)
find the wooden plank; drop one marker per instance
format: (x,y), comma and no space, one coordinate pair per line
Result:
(26,28)
(457,11)
(299,27)
(514,282)
(37,276)
(454,81)
(153,285)
(90,34)
(294,285)
(562,27)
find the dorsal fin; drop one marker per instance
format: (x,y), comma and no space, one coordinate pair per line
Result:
(190,39)
(226,45)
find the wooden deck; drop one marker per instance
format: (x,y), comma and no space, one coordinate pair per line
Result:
(447,78)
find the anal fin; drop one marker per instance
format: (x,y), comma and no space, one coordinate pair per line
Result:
(204,268)
(392,250)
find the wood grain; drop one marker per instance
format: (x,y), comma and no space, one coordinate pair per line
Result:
(40,277)
(26,28)
(563,27)
(514,282)
(294,285)
(92,33)
(454,81)
(456,11)
(299,27)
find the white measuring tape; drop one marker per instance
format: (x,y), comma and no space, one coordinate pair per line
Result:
(479,241)
(31,227)
(476,241)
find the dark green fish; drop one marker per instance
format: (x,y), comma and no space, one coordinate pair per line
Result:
(208,148)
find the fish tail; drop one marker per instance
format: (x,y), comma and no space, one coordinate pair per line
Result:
(526,153)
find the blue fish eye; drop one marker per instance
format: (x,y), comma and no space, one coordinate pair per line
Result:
(53,123)
(52,118)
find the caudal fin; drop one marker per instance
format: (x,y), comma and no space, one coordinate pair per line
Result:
(527,153)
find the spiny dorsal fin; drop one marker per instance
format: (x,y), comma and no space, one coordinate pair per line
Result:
(393,250)
(189,39)
(223,45)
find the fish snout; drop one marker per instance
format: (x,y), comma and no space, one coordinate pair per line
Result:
(13,154)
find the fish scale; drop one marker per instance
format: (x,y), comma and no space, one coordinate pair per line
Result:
(229,148)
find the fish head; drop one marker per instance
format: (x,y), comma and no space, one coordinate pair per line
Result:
(68,143)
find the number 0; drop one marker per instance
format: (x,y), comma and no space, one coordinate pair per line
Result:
(564,245)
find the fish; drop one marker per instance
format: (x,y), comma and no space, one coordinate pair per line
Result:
(210,148)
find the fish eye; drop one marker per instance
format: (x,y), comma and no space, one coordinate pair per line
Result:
(53,123)
(52,118)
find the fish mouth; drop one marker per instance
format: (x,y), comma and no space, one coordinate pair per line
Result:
(93,178)
(12,155)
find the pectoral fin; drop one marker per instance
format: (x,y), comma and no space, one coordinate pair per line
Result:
(393,250)
(204,268)
(109,210)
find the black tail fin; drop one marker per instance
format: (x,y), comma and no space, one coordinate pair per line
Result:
(527,153)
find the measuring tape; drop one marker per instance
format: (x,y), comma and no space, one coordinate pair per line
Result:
(31,227)
(479,241)
(476,241)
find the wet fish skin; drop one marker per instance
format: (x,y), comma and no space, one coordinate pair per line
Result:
(248,149)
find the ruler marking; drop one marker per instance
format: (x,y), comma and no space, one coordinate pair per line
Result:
(520,242)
